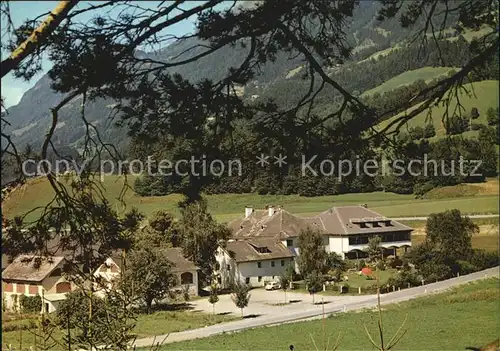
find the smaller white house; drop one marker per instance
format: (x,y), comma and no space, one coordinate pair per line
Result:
(186,271)
(253,261)
(32,276)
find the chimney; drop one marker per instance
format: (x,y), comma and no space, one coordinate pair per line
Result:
(248,211)
(270,210)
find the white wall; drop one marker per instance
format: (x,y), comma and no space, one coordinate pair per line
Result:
(338,244)
(231,271)
(267,272)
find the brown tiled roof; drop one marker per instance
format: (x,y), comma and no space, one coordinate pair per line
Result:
(339,221)
(180,262)
(335,221)
(245,250)
(173,254)
(23,269)
(281,224)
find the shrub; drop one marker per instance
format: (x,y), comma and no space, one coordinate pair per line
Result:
(429,131)
(474,113)
(381,265)
(482,259)
(421,188)
(403,278)
(31,304)
(360,265)
(465,267)
(492,116)
(475,126)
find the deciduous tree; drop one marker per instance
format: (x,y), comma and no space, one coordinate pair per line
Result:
(451,233)
(149,275)
(201,236)
(312,254)
(241,295)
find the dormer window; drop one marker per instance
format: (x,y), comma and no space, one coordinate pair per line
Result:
(363,225)
(261,249)
(375,224)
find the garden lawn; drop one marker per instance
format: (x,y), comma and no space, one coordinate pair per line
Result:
(164,322)
(157,323)
(465,316)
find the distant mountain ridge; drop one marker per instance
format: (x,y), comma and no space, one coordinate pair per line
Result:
(30,119)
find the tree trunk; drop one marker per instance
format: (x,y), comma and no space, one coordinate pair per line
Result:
(149,303)
(242,313)
(38,37)
(213,308)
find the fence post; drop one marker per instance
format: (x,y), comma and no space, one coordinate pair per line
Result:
(345,308)
(393,288)
(359,290)
(399,288)
(408,285)
(324,287)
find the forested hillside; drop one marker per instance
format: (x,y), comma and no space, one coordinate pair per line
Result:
(385,67)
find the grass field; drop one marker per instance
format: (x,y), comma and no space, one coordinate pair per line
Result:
(157,323)
(226,207)
(481,95)
(164,322)
(464,316)
(408,77)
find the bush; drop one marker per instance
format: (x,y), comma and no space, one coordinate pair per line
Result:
(395,262)
(360,265)
(475,126)
(482,259)
(456,125)
(403,278)
(492,116)
(433,271)
(421,188)
(344,289)
(465,267)
(381,265)
(31,304)
(429,131)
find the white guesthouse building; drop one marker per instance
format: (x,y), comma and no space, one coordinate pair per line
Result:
(265,241)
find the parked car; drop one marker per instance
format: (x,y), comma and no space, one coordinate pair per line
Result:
(273,286)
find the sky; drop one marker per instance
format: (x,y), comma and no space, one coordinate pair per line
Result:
(14,88)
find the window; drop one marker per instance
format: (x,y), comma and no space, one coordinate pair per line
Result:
(63,287)
(186,278)
(8,287)
(259,279)
(289,242)
(217,266)
(228,267)
(358,240)
(259,264)
(272,263)
(33,289)
(20,288)
(282,263)
(247,280)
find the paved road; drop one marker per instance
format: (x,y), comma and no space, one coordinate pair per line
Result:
(367,301)
(493,215)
